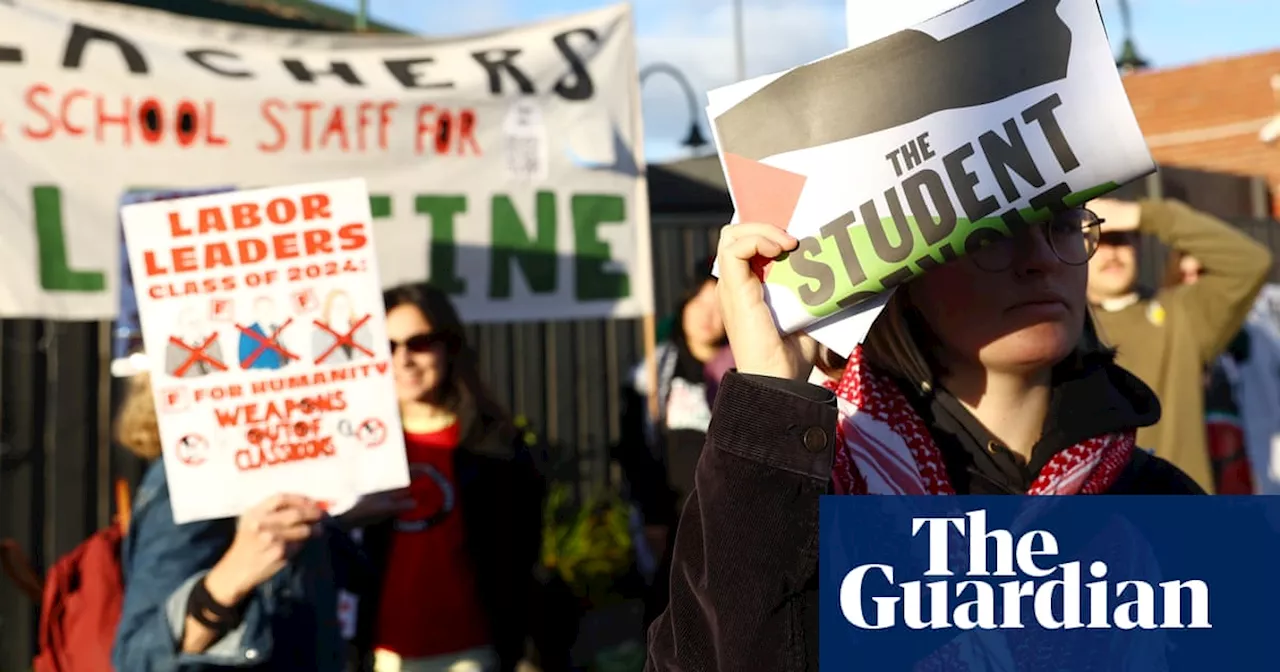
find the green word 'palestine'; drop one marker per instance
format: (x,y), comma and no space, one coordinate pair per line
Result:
(596,277)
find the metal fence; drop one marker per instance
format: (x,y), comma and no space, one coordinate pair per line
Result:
(57,462)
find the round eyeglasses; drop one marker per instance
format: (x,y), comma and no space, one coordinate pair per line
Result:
(1072,235)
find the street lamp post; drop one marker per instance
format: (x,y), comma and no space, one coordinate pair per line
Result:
(362,16)
(739,41)
(695,140)
(1129,59)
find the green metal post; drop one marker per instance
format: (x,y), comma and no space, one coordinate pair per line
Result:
(362,16)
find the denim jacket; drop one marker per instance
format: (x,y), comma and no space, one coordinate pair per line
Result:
(290,621)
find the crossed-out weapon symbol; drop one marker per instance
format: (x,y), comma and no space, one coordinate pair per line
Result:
(192,449)
(371,432)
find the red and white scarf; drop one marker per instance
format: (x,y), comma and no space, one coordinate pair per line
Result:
(884,448)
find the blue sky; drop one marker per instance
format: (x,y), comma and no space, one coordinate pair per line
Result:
(696,37)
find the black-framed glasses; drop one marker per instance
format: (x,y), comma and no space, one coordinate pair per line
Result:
(1072,235)
(421,343)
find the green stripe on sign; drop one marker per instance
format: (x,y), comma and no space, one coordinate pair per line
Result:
(845,263)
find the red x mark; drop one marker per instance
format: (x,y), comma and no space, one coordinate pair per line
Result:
(196,355)
(341,340)
(272,342)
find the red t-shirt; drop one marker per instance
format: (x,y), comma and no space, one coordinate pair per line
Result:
(430,605)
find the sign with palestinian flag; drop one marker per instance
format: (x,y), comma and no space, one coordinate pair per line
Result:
(891,158)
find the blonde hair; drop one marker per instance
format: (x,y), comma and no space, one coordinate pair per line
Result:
(137,428)
(328,305)
(901,345)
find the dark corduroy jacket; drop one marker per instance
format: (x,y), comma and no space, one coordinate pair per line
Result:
(745,568)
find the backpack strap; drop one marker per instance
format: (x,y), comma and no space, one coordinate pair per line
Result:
(19,570)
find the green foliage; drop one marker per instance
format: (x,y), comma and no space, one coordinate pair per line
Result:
(627,657)
(527,434)
(589,544)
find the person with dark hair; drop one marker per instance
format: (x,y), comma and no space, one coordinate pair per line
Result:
(458,559)
(983,376)
(658,452)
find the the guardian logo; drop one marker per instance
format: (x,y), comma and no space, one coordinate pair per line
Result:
(1053,595)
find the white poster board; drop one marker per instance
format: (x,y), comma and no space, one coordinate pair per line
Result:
(505,167)
(262,316)
(898,155)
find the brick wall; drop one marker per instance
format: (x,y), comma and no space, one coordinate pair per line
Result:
(1208,115)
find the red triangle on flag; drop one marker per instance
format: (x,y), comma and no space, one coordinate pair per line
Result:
(763,194)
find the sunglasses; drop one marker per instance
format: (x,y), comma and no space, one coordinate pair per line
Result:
(422,343)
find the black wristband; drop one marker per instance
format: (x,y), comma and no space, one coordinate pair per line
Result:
(209,612)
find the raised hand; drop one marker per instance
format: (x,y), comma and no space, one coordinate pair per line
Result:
(758,347)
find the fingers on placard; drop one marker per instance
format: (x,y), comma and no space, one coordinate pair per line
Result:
(728,233)
(776,242)
(297,533)
(763,230)
(755,247)
(283,501)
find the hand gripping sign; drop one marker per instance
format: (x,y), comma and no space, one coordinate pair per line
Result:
(891,158)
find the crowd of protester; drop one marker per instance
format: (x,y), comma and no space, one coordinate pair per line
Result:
(1036,365)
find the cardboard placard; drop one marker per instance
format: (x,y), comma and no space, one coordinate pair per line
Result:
(917,147)
(262,316)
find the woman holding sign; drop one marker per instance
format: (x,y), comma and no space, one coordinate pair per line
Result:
(983,376)
(259,592)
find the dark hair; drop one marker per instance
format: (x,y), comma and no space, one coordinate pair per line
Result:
(698,279)
(830,363)
(465,393)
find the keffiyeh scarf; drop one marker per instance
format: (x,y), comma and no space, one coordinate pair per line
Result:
(884,448)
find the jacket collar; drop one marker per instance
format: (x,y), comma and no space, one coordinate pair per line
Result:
(1095,399)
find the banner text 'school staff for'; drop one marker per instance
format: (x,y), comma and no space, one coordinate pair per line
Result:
(505,168)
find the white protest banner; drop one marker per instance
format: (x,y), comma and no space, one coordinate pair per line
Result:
(275,376)
(506,168)
(899,155)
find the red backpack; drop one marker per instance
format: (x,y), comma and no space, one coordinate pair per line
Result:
(83,596)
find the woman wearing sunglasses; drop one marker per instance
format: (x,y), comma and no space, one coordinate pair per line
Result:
(457,558)
(982,376)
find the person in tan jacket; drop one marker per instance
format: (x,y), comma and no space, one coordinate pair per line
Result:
(1167,338)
